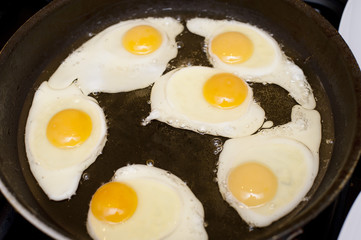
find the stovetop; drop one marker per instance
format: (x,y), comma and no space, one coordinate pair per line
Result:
(325,226)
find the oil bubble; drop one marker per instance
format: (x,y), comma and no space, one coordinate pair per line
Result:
(218,150)
(86,176)
(217,142)
(180,44)
(329,141)
(150,162)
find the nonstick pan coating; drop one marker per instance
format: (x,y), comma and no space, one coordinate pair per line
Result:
(35,51)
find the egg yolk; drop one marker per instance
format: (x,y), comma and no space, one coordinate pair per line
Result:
(69,128)
(114,202)
(252,184)
(232,47)
(142,40)
(225,91)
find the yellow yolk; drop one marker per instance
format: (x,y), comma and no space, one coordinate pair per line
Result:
(252,184)
(232,47)
(142,40)
(225,91)
(69,128)
(114,202)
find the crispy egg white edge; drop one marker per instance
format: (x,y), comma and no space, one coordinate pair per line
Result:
(162,110)
(87,66)
(304,128)
(295,82)
(192,205)
(66,179)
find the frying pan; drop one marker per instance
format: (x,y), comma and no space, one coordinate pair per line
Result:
(39,46)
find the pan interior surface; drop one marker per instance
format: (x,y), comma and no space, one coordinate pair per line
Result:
(186,154)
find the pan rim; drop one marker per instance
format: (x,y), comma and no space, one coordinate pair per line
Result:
(28,215)
(354,153)
(7,49)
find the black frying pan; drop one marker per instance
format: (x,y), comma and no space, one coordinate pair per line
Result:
(36,50)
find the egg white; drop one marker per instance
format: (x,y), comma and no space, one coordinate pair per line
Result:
(177,99)
(290,151)
(167,209)
(268,64)
(102,64)
(58,170)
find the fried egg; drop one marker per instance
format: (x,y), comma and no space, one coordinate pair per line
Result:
(126,56)
(65,132)
(266,175)
(250,53)
(206,100)
(144,202)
